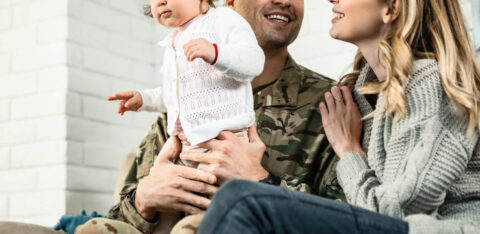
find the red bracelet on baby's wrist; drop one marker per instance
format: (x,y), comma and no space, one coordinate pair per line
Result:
(216,54)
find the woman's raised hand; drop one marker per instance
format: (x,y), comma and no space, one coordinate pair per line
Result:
(342,121)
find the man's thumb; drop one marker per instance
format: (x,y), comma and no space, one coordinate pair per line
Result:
(253,134)
(170,150)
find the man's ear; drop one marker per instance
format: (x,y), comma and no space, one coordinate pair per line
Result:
(229,3)
(392,11)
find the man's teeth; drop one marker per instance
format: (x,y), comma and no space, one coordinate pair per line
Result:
(338,15)
(278,17)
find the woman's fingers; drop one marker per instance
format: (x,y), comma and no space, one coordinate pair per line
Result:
(330,103)
(347,95)
(339,102)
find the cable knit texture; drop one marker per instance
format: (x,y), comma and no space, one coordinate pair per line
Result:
(209,99)
(422,169)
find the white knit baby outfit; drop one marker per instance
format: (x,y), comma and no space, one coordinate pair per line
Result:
(208,99)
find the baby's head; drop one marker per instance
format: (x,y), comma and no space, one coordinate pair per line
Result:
(174,13)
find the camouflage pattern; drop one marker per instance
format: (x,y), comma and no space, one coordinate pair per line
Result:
(105,226)
(288,122)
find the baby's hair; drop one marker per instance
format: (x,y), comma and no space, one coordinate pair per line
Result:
(147,11)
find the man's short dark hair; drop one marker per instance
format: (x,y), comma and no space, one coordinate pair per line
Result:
(148,11)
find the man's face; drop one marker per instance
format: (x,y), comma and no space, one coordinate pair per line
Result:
(276,23)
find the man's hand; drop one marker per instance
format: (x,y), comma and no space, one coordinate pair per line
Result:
(171,188)
(130,101)
(231,158)
(199,48)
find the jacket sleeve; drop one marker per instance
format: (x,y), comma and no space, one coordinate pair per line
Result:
(434,159)
(150,145)
(239,55)
(152,100)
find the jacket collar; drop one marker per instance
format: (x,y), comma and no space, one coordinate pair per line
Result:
(284,91)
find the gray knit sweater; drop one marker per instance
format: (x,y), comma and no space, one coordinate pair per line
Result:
(422,168)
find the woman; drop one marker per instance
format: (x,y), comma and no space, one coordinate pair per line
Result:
(416,163)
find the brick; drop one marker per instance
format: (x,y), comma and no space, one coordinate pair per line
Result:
(18,180)
(74,55)
(142,120)
(52,178)
(18,38)
(90,201)
(39,105)
(39,154)
(53,79)
(90,179)
(100,133)
(82,130)
(74,153)
(87,34)
(145,73)
(331,69)
(4,110)
(52,128)
(17,132)
(106,63)
(103,110)
(75,8)
(37,11)
(130,48)
(39,57)
(127,6)
(4,63)
(106,17)
(38,203)
(74,104)
(122,85)
(5,18)
(18,85)
(53,30)
(104,156)
(90,83)
(4,158)
(142,29)
(3,206)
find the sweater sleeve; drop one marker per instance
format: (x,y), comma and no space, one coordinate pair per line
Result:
(433,160)
(152,100)
(239,55)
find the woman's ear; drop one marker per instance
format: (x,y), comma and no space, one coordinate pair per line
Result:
(229,3)
(392,11)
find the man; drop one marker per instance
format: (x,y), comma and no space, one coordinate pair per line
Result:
(297,154)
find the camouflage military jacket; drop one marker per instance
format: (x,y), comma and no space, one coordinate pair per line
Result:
(288,122)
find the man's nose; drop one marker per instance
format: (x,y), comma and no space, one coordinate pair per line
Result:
(284,2)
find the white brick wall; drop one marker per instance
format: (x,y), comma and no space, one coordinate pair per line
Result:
(61,142)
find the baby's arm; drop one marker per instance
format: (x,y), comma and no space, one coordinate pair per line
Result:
(130,101)
(145,100)
(239,54)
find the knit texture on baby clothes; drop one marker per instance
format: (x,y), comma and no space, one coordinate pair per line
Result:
(422,169)
(209,99)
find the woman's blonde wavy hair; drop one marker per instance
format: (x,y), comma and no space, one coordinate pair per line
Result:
(426,29)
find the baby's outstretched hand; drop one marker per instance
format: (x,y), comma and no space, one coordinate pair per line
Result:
(130,101)
(200,48)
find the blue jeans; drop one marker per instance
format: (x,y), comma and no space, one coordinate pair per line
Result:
(248,207)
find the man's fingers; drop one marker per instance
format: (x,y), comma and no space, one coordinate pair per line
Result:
(324,113)
(182,207)
(198,187)
(211,144)
(196,174)
(194,200)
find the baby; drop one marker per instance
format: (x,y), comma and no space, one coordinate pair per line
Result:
(211,57)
